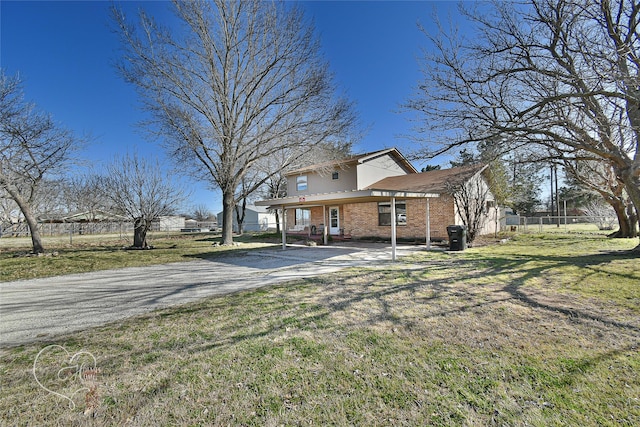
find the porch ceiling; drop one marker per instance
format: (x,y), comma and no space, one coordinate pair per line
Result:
(344,197)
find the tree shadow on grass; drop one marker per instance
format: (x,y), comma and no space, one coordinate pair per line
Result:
(341,295)
(370,298)
(531,268)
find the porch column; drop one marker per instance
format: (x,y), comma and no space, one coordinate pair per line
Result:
(393,229)
(428,225)
(325,229)
(284,228)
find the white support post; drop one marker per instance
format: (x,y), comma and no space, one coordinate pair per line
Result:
(428,225)
(393,229)
(284,228)
(325,229)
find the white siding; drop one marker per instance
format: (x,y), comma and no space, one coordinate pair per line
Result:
(376,169)
(319,183)
(171,223)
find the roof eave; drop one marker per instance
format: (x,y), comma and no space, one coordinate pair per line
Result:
(344,197)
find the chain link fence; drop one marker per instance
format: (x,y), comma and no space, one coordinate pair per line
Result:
(513,223)
(558,223)
(49,229)
(70,228)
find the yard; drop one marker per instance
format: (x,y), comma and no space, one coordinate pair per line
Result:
(541,330)
(101,252)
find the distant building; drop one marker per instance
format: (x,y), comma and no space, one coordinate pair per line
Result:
(257,218)
(171,223)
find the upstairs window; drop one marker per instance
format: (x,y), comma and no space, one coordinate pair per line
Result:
(301,183)
(335,175)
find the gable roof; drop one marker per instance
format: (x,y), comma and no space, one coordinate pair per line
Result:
(84,216)
(437,181)
(259,209)
(355,160)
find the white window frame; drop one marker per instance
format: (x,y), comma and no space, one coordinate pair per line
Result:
(401,213)
(302,183)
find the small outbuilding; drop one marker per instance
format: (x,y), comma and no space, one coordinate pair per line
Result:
(256,218)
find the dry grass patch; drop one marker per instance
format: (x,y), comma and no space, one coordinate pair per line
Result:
(440,339)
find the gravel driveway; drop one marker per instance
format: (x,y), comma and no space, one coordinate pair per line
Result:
(34,310)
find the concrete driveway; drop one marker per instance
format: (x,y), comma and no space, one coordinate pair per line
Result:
(39,309)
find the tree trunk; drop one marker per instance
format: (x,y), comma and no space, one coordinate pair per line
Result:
(228,205)
(632,185)
(624,228)
(240,214)
(277,221)
(36,239)
(633,220)
(141,226)
(32,222)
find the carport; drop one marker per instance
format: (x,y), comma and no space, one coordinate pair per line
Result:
(326,200)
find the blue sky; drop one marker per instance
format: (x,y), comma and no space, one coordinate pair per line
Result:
(64,52)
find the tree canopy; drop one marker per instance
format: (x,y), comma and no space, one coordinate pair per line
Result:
(558,75)
(33,147)
(236,82)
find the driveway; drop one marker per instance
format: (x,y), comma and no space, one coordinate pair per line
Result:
(39,309)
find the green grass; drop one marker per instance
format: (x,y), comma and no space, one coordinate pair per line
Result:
(542,330)
(584,265)
(96,252)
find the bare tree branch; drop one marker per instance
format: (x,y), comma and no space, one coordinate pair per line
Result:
(32,148)
(139,189)
(244,81)
(563,75)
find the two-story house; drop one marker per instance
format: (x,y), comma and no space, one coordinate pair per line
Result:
(378,194)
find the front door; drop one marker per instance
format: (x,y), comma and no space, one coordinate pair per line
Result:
(334,221)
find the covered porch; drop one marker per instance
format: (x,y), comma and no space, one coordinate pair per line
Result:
(320,216)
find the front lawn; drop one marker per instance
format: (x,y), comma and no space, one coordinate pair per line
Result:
(103,252)
(542,330)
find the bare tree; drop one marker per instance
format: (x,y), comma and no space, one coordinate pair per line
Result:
(471,197)
(601,179)
(32,148)
(275,187)
(601,214)
(242,81)
(48,202)
(84,193)
(561,74)
(139,189)
(202,213)
(9,212)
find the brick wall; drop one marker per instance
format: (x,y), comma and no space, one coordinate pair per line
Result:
(316,217)
(361,219)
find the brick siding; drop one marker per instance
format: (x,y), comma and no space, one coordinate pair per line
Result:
(361,219)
